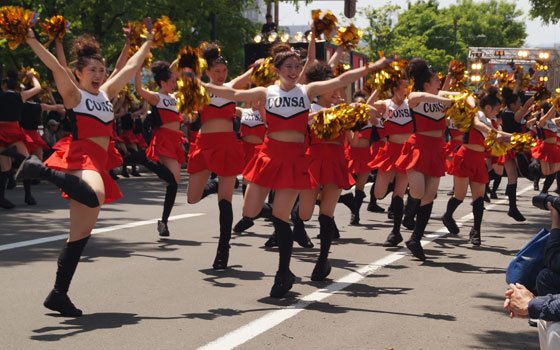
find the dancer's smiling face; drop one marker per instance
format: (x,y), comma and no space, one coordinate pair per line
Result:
(289,71)
(92,76)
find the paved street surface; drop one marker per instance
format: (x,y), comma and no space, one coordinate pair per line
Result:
(140,292)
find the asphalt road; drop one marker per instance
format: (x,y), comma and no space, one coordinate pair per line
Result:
(140,292)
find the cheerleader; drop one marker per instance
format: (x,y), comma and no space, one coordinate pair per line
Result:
(30,121)
(546,151)
(328,169)
(281,164)
(359,156)
(468,166)
(79,166)
(252,132)
(217,150)
(12,136)
(423,155)
(511,123)
(398,124)
(496,164)
(165,154)
(131,124)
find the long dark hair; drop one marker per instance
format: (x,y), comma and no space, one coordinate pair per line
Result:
(420,72)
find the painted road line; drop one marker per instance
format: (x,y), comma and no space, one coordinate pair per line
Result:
(264,323)
(95,231)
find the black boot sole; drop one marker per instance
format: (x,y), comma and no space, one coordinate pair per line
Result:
(321,271)
(416,249)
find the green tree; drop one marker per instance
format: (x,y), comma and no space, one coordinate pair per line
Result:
(547,10)
(379,35)
(439,34)
(104,18)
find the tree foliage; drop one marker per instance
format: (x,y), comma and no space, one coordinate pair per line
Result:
(547,10)
(425,30)
(103,19)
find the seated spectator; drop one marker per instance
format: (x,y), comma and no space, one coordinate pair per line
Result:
(50,132)
(520,302)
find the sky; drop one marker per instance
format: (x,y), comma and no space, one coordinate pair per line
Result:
(539,35)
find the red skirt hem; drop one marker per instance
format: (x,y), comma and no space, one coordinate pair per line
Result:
(424,154)
(87,155)
(219,152)
(469,163)
(37,141)
(280,165)
(328,164)
(546,152)
(168,143)
(387,157)
(359,159)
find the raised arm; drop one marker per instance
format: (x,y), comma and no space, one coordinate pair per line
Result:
(123,57)
(66,87)
(311,56)
(245,78)
(416,97)
(254,94)
(55,107)
(62,59)
(27,94)
(116,82)
(320,87)
(520,114)
(150,96)
(335,59)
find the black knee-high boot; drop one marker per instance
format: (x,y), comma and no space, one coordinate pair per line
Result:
(372,205)
(478,211)
(73,186)
(247,222)
(28,196)
(447,218)
(211,187)
(412,205)
(300,235)
(348,200)
(284,277)
(243,189)
(323,267)
(422,218)
(13,153)
(4,203)
(395,237)
(226,220)
(170,195)
(495,185)
(358,200)
(68,260)
(134,171)
(511,191)
(549,179)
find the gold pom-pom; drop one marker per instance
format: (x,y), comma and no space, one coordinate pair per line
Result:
(191,95)
(264,73)
(458,72)
(556,100)
(329,124)
(542,93)
(15,21)
(55,28)
(496,148)
(340,69)
(135,31)
(191,58)
(325,25)
(383,80)
(24,71)
(165,32)
(503,79)
(461,112)
(522,143)
(348,36)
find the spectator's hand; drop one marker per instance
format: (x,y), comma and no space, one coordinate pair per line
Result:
(517,300)
(554,215)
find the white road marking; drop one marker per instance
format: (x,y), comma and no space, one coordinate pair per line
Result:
(95,231)
(253,329)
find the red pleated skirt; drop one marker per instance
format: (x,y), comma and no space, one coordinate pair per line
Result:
(168,143)
(359,159)
(546,152)
(250,150)
(375,146)
(327,163)
(510,155)
(87,155)
(387,156)
(37,141)
(424,154)
(11,133)
(469,163)
(280,165)
(128,136)
(219,152)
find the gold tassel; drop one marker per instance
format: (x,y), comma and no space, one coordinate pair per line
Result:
(55,28)
(325,25)
(165,32)
(461,112)
(264,73)
(14,25)
(191,95)
(348,36)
